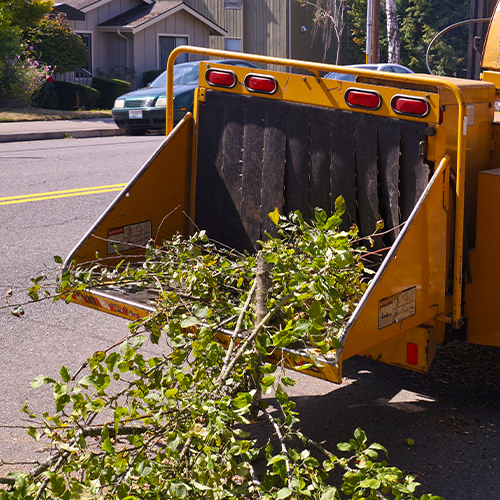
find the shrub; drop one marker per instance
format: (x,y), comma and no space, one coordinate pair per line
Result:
(46,97)
(75,96)
(55,43)
(110,89)
(149,76)
(22,77)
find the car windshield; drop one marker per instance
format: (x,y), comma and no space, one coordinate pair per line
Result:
(184,74)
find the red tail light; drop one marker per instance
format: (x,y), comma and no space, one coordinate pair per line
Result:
(412,106)
(367,99)
(260,83)
(411,353)
(221,78)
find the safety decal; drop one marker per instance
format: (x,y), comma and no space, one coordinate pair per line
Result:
(128,237)
(397,307)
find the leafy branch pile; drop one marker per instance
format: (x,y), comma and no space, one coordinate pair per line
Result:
(179,424)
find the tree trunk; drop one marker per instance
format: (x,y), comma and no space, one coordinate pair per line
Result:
(392,32)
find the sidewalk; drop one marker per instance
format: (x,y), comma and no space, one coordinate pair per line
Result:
(58,129)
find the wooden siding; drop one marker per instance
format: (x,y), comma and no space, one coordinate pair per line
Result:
(145,56)
(263,26)
(229,19)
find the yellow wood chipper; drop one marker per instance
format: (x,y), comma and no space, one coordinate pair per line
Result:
(420,152)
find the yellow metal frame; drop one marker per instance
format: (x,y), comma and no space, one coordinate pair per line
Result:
(145,199)
(322,92)
(416,266)
(491,52)
(315,68)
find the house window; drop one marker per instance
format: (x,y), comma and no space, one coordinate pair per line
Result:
(169,43)
(232,4)
(87,40)
(233,44)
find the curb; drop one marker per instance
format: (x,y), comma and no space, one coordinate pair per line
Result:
(74,134)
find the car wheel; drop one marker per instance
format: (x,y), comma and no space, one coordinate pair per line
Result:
(136,131)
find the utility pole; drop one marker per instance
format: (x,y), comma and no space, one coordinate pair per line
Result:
(376,32)
(373,31)
(369,29)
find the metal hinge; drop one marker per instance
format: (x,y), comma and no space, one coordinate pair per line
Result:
(422,149)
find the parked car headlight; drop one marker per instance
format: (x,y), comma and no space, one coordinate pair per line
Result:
(119,103)
(161,102)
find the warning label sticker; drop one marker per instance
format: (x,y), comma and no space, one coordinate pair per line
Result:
(128,237)
(397,307)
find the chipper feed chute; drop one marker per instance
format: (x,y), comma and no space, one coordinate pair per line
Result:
(244,154)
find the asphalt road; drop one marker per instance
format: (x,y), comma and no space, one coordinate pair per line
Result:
(31,233)
(452,413)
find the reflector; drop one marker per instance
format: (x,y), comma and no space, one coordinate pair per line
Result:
(220,77)
(363,99)
(259,83)
(407,105)
(411,353)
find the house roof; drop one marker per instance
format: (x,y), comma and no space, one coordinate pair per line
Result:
(142,16)
(88,5)
(72,14)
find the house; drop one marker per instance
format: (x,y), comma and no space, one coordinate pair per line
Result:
(125,38)
(276,28)
(128,37)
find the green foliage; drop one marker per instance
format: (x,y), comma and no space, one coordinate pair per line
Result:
(10,35)
(25,14)
(177,424)
(46,97)
(22,77)
(149,76)
(55,43)
(119,72)
(74,96)
(419,21)
(110,89)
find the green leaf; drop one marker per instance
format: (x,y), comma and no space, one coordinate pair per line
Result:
(107,446)
(275,217)
(40,380)
(340,205)
(57,259)
(370,483)
(190,321)
(199,486)
(34,433)
(330,493)
(284,493)
(99,356)
(345,446)
(268,381)
(178,490)
(360,436)
(65,374)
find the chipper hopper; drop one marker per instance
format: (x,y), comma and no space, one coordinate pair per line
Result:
(416,151)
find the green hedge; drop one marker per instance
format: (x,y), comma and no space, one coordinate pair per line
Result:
(74,96)
(46,97)
(110,89)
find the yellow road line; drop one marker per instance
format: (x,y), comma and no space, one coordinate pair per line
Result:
(9,200)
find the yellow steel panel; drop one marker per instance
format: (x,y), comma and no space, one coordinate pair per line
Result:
(491,50)
(299,360)
(322,91)
(483,294)
(413,274)
(117,306)
(394,350)
(157,197)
